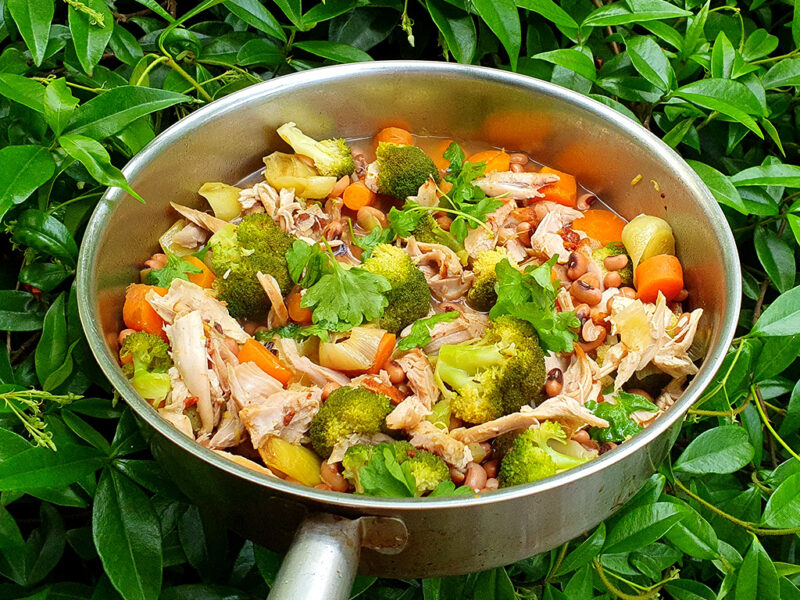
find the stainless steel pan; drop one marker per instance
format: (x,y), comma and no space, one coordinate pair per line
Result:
(332,535)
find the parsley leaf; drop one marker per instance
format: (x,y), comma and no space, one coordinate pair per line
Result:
(176,268)
(383,476)
(375,237)
(530,295)
(420,333)
(307,263)
(404,221)
(448,488)
(621,426)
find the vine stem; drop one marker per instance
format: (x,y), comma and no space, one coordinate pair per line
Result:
(615,590)
(558,563)
(760,407)
(721,413)
(150,67)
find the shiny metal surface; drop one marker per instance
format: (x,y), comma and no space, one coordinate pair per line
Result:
(605,150)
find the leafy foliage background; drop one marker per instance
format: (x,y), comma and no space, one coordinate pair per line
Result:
(85,84)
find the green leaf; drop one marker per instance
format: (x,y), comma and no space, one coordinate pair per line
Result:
(19,311)
(722,57)
(693,535)
(293,12)
(91,30)
(33,19)
(686,589)
(757,578)
(51,351)
(636,11)
(46,234)
(125,46)
(22,90)
(127,536)
(256,15)
(59,104)
(774,174)
(550,11)
(112,111)
(782,317)
(571,59)
(41,467)
(85,431)
(25,168)
(502,17)
(724,449)
(783,506)
(420,333)
(335,51)
(783,73)
(494,585)
(796,25)
(760,43)
(776,356)
(260,52)
(642,525)
(583,554)
(457,28)
(649,59)
(720,185)
(92,155)
(776,256)
(726,96)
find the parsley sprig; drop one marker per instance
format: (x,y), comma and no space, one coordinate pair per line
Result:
(420,333)
(177,267)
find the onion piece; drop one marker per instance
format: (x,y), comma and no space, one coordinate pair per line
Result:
(352,352)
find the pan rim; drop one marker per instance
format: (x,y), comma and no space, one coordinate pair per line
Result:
(695,187)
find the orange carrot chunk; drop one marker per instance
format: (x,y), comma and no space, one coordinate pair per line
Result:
(385,349)
(205,278)
(564,191)
(357,195)
(437,154)
(496,160)
(253,351)
(601,225)
(662,273)
(297,313)
(137,312)
(394,135)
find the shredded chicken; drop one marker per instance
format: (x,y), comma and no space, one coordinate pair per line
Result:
(446,277)
(517,186)
(317,374)
(230,431)
(546,242)
(199,218)
(286,414)
(418,370)
(191,236)
(580,378)
(292,214)
(371,439)
(408,414)
(426,195)
(468,326)
(481,239)
(251,385)
(178,420)
(371,178)
(429,437)
(278,313)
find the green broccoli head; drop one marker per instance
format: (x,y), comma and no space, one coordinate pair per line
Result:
(348,410)
(429,231)
(332,158)
(238,253)
(403,169)
(536,454)
(428,469)
(494,376)
(482,295)
(148,364)
(409,297)
(614,249)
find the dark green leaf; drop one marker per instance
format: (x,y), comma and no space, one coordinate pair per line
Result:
(59,104)
(723,449)
(728,97)
(720,185)
(783,506)
(686,589)
(22,90)
(44,276)
(25,168)
(649,59)
(41,467)
(502,17)
(51,351)
(335,51)
(33,19)
(775,174)
(782,73)
(91,26)
(643,525)
(46,234)
(757,578)
(457,28)
(782,317)
(550,11)
(19,311)
(776,256)
(571,59)
(584,553)
(92,155)
(256,15)
(638,11)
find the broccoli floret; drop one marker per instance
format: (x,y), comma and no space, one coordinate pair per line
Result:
(409,297)
(429,231)
(482,295)
(536,454)
(403,169)
(614,249)
(428,469)
(332,158)
(238,253)
(494,376)
(348,410)
(146,360)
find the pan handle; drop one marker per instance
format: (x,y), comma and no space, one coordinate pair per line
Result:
(322,561)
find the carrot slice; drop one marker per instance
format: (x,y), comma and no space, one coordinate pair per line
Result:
(437,154)
(253,351)
(385,349)
(357,195)
(662,273)
(395,135)
(564,191)
(137,312)
(205,278)
(297,313)
(496,160)
(601,225)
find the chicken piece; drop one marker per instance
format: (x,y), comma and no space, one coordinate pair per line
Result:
(672,356)
(517,186)
(429,437)
(670,394)
(371,178)
(184,296)
(199,218)
(564,301)
(418,370)
(286,414)
(442,268)
(370,439)
(246,462)
(580,378)
(537,211)
(178,393)
(546,243)
(516,251)
(481,239)
(191,236)
(230,431)
(317,374)
(188,343)
(221,356)
(469,326)
(292,214)
(563,409)
(250,385)
(451,288)
(178,420)
(408,414)
(278,313)
(426,195)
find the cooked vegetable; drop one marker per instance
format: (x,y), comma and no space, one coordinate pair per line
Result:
(146,360)
(614,249)
(420,333)
(495,375)
(297,462)
(353,352)
(223,198)
(409,297)
(366,468)
(429,231)
(538,453)
(297,313)
(168,243)
(482,295)
(238,253)
(204,277)
(437,154)
(177,267)
(332,158)
(357,195)
(137,313)
(601,225)
(662,273)
(617,410)
(395,135)
(348,410)
(403,169)
(496,160)
(384,352)
(256,352)
(286,171)
(647,236)
(564,191)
